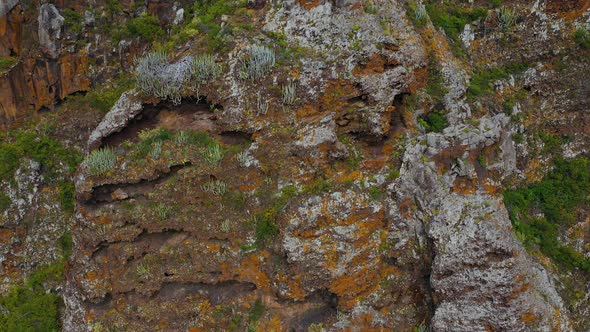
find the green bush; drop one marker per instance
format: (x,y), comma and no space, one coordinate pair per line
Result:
(67,195)
(28,307)
(434,122)
(582,38)
(73,20)
(558,196)
(145,26)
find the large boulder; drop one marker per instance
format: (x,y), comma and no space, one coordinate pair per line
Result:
(50,29)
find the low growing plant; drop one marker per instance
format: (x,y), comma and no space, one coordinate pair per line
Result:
(101,161)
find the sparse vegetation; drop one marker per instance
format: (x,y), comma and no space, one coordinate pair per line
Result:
(539,211)
(481,82)
(452,19)
(6,62)
(265,222)
(213,154)
(49,153)
(101,161)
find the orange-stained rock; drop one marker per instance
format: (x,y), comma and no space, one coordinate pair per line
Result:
(10,32)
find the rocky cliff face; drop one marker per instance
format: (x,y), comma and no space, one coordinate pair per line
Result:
(324,165)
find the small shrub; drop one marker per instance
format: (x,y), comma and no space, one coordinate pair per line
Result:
(156,150)
(145,26)
(67,195)
(215,187)
(213,154)
(417,12)
(257,62)
(375,194)
(242,158)
(66,243)
(101,161)
(507,18)
(149,73)
(496,3)
(261,106)
(256,311)
(434,122)
(435,87)
(73,20)
(581,36)
(204,68)
(289,93)
(265,222)
(163,211)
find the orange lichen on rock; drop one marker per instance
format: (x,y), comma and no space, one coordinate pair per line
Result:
(250,270)
(376,64)
(306,110)
(337,94)
(528,318)
(354,285)
(272,325)
(309,4)
(465,186)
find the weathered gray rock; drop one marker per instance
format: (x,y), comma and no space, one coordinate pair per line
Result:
(50,29)
(481,275)
(6,6)
(127,108)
